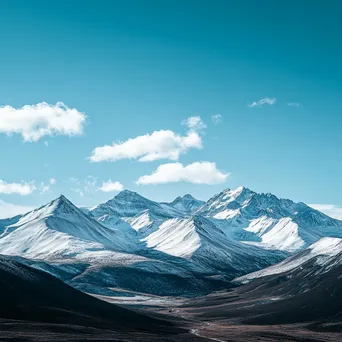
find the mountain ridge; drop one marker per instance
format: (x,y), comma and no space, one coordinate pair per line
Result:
(233,233)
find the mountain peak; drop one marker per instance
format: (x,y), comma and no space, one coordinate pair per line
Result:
(127,194)
(187,204)
(234,194)
(127,204)
(189,197)
(186,197)
(62,205)
(61,200)
(126,191)
(243,188)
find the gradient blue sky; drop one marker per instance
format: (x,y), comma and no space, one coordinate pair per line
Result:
(134,67)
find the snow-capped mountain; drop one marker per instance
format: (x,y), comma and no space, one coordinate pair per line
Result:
(198,239)
(59,230)
(172,229)
(267,221)
(128,204)
(187,204)
(320,256)
(142,214)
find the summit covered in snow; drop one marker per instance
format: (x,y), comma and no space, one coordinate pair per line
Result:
(59,231)
(267,221)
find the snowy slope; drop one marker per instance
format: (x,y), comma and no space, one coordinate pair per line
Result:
(59,230)
(176,237)
(199,240)
(141,214)
(145,223)
(267,221)
(320,253)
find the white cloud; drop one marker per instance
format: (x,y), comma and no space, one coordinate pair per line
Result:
(294,104)
(266,100)
(197,173)
(9,210)
(52,181)
(22,188)
(111,186)
(194,123)
(163,144)
(90,185)
(329,209)
(149,147)
(216,119)
(33,122)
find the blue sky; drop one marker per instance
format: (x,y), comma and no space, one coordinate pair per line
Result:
(138,67)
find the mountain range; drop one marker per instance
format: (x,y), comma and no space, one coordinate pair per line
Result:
(185,247)
(240,254)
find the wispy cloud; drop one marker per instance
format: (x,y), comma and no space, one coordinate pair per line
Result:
(197,173)
(9,210)
(216,119)
(164,144)
(110,186)
(267,100)
(80,186)
(22,188)
(33,122)
(91,185)
(331,210)
(194,123)
(44,188)
(294,104)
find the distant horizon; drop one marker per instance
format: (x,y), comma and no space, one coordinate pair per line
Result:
(329,210)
